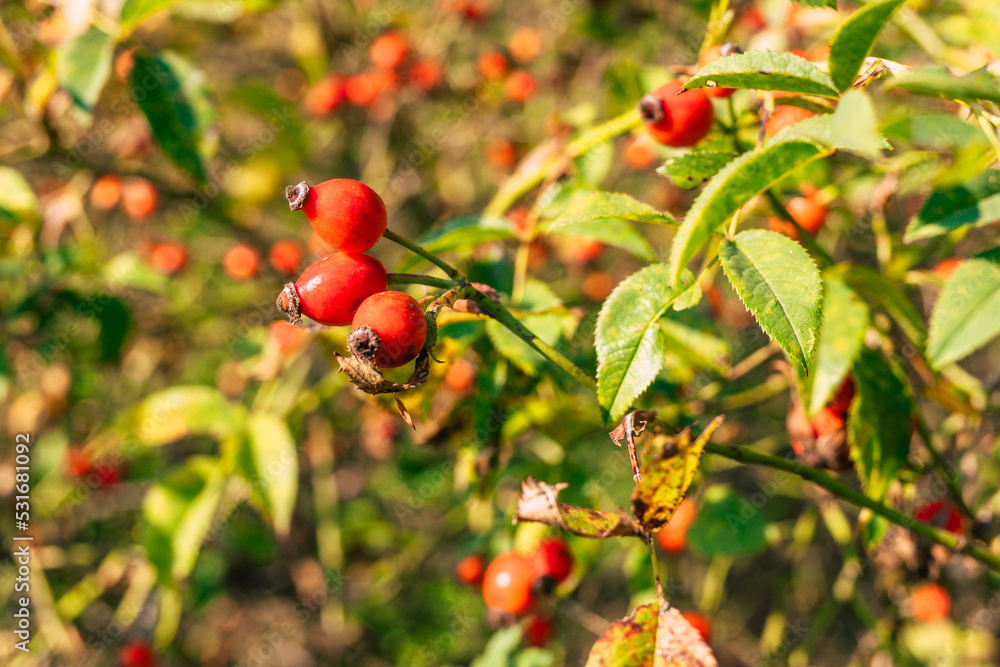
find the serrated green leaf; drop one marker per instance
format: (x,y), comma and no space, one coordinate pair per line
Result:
(183,411)
(855,126)
(938,82)
(967,313)
(780,285)
(878,425)
(171,96)
(600,205)
(692,169)
(876,289)
(630,641)
(630,345)
(135,11)
(841,336)
(727,525)
(740,181)
(975,203)
(854,40)
(177,515)
(613,232)
(460,235)
(274,472)
(765,70)
(84,65)
(668,468)
(18,202)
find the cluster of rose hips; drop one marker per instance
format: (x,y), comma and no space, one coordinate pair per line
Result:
(350,287)
(515,581)
(821,438)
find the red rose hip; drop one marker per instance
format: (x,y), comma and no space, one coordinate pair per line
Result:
(674,118)
(553,558)
(507,583)
(398,321)
(330,289)
(347,214)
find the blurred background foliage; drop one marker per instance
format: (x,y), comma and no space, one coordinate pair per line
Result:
(203,479)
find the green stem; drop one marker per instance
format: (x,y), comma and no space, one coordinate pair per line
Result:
(503,316)
(452,272)
(845,492)
(805,238)
(515,188)
(415,279)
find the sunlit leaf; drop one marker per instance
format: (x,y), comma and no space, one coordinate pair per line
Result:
(84,65)
(183,411)
(599,205)
(854,40)
(629,642)
(975,203)
(275,467)
(967,313)
(613,232)
(876,289)
(938,82)
(841,335)
(18,202)
(765,70)
(692,169)
(134,11)
(459,235)
(780,285)
(740,181)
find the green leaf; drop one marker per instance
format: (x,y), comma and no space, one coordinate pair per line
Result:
(740,181)
(967,313)
(832,4)
(183,411)
(875,288)
(630,345)
(599,205)
(274,469)
(692,169)
(934,130)
(938,82)
(841,336)
(592,167)
(976,203)
(854,125)
(668,468)
(84,65)
(727,525)
(538,502)
(135,11)
(629,642)
(177,515)
(854,40)
(696,347)
(460,235)
(613,232)
(170,94)
(18,202)
(765,70)
(878,425)
(500,649)
(128,270)
(780,285)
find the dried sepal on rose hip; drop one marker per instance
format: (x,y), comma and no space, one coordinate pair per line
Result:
(331,289)
(345,213)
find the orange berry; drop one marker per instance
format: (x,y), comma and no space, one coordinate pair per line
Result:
(106,192)
(677,118)
(426,74)
(501,154)
(597,285)
(640,153)
(700,622)
(284,336)
(168,257)
(124,62)
(240,262)
(930,603)
(326,95)
(470,570)
(492,65)
(388,51)
(943,270)
(507,583)
(139,198)
(524,44)
(826,422)
(784,116)
(361,89)
(518,219)
(806,211)
(519,86)
(581,250)
(460,377)
(673,536)
(285,255)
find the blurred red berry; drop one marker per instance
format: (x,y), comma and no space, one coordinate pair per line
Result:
(285,255)
(168,257)
(136,654)
(507,583)
(700,622)
(470,570)
(930,602)
(519,86)
(388,51)
(241,262)
(538,630)
(673,536)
